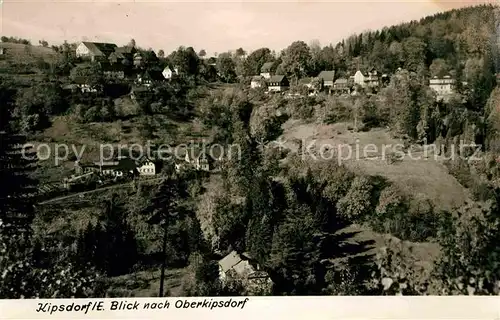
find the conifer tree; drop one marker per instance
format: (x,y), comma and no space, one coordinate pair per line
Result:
(164,210)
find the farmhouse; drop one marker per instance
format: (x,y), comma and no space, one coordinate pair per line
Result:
(327,78)
(277,83)
(244,268)
(266,70)
(95,50)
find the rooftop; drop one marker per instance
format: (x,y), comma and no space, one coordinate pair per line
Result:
(266,67)
(100,48)
(328,75)
(276,78)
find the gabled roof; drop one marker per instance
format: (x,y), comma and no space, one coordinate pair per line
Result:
(100,48)
(117,55)
(257,78)
(266,67)
(276,78)
(229,261)
(341,80)
(327,75)
(125,49)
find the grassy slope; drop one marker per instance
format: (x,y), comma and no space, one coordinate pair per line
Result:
(425,178)
(20,53)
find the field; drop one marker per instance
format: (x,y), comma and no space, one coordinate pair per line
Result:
(422,178)
(20,53)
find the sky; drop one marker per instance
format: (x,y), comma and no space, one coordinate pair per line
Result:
(215,26)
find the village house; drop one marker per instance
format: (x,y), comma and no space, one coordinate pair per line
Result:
(95,51)
(149,78)
(443,87)
(117,168)
(113,71)
(138,61)
(117,57)
(359,78)
(277,83)
(243,268)
(341,85)
(199,159)
(327,78)
(257,82)
(2,50)
(372,79)
(266,70)
(168,73)
(146,167)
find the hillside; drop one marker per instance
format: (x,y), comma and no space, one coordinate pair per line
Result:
(315,223)
(21,53)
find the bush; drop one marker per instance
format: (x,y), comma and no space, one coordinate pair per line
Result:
(356,204)
(412,220)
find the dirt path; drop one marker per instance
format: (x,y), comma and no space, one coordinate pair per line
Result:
(122,185)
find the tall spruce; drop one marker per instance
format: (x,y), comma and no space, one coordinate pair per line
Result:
(164,210)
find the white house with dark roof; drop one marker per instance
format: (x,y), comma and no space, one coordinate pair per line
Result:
(146,167)
(95,50)
(327,78)
(277,83)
